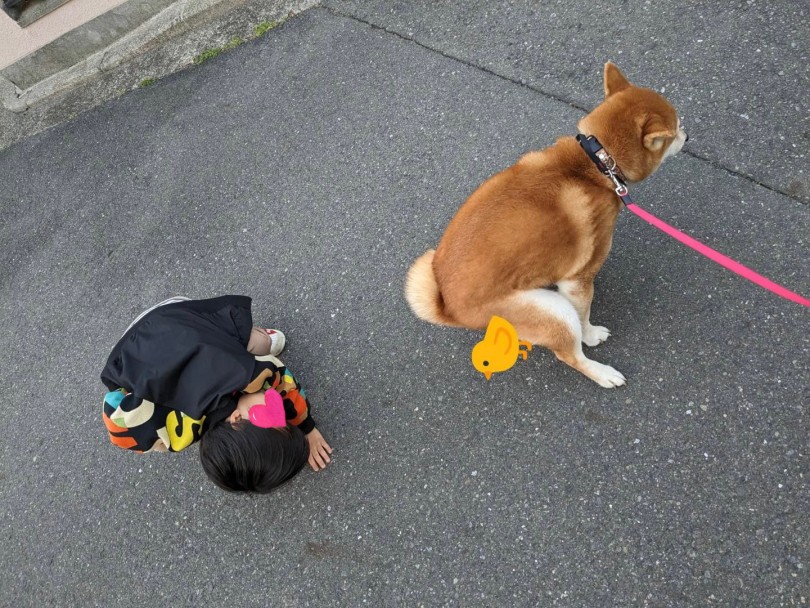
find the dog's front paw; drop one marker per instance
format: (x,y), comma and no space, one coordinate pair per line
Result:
(604,375)
(594,335)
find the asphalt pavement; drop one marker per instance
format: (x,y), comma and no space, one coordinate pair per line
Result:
(308,168)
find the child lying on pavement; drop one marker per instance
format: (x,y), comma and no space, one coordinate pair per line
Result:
(188,370)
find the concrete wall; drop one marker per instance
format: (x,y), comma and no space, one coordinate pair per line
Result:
(17,42)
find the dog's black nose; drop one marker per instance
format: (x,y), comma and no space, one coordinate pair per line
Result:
(687,138)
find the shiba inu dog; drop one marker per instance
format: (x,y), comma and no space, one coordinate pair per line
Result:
(546,222)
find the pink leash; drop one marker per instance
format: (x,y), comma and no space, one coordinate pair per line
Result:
(718,257)
(607,165)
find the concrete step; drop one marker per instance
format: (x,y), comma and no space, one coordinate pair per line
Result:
(82,42)
(31,10)
(114,38)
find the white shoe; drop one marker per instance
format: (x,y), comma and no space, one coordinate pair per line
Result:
(277,341)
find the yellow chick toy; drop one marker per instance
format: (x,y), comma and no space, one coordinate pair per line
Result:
(499,349)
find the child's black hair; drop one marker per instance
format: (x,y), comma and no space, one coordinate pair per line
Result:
(242,457)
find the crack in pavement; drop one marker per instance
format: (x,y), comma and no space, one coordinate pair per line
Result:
(559,98)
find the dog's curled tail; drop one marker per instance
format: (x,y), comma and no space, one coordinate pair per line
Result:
(422,291)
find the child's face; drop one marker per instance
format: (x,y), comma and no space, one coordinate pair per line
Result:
(246,401)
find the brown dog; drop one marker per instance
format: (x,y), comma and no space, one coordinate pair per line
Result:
(547,220)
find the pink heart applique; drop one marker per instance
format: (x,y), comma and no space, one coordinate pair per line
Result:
(271,414)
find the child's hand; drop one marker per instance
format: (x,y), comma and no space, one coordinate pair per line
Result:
(319,450)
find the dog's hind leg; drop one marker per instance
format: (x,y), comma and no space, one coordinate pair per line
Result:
(580,293)
(547,318)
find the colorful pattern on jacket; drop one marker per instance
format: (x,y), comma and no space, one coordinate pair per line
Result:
(142,426)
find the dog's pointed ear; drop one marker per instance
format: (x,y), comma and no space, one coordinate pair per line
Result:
(615,81)
(656,133)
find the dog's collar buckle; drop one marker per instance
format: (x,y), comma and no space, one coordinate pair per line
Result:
(607,160)
(605,163)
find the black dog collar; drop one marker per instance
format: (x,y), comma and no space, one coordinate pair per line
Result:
(605,163)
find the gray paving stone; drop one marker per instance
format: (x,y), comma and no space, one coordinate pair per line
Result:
(737,71)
